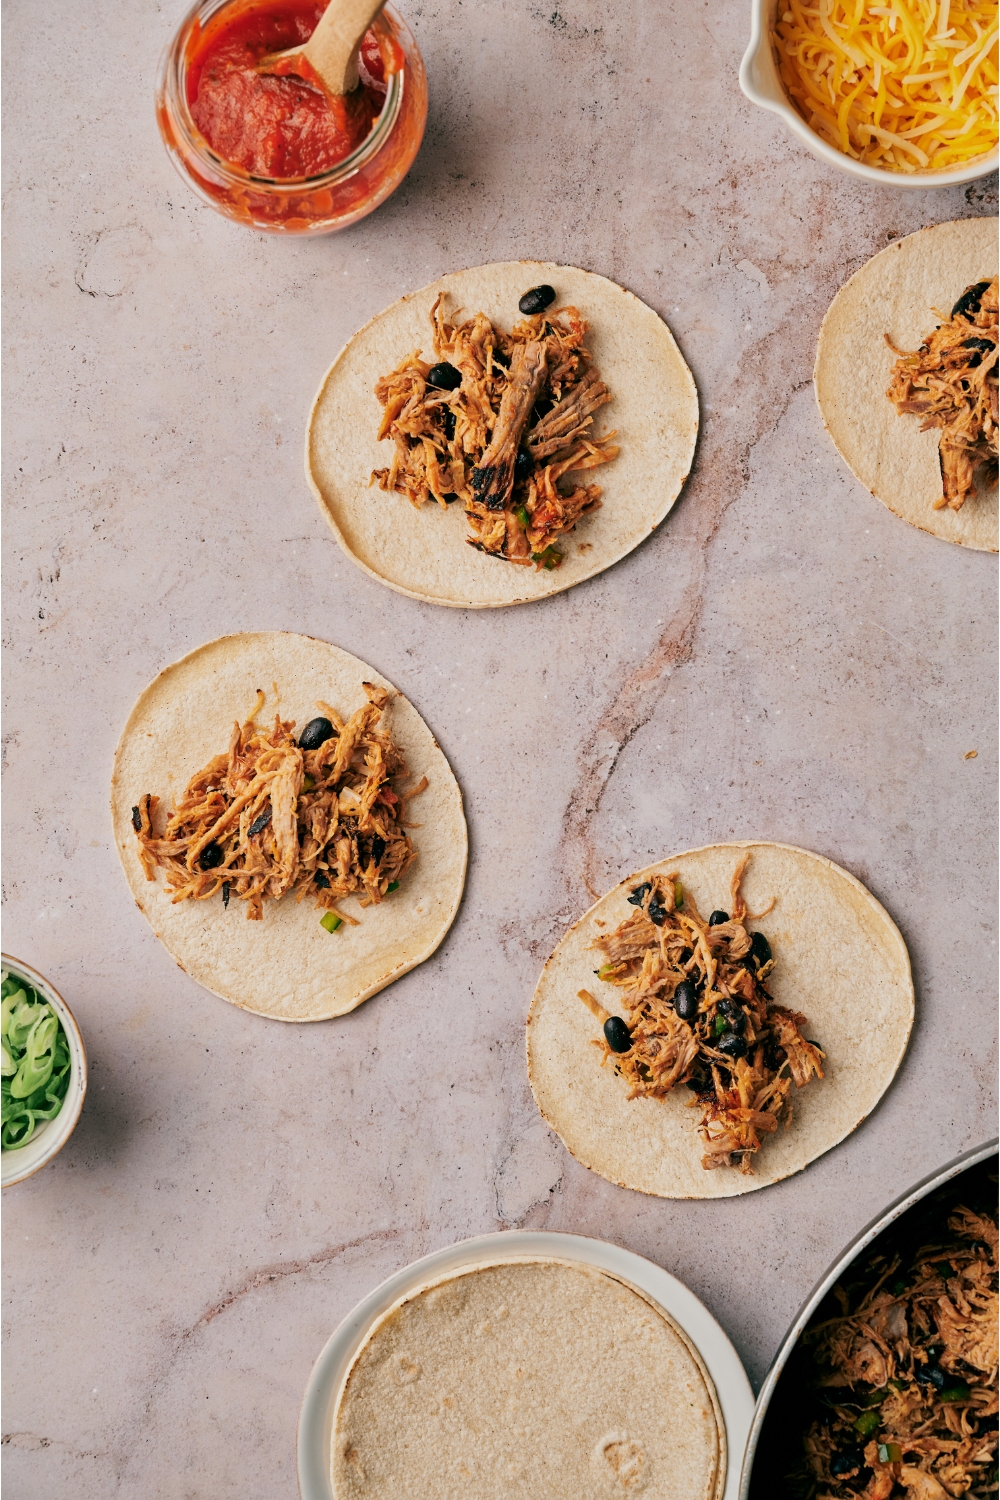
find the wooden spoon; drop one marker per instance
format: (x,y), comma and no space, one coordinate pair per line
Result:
(331,53)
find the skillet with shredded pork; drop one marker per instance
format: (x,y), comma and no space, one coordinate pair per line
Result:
(951,382)
(499,422)
(324,816)
(902,1367)
(698,1012)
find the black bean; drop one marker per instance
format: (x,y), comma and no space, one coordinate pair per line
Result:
(617,1034)
(378,849)
(450,498)
(320,879)
(444,377)
(639,894)
(316,733)
(537,300)
(211,857)
(760,949)
(686,1000)
(983,345)
(846,1461)
(136,819)
(933,1375)
(522,465)
(656,912)
(717,918)
(448,422)
(968,304)
(259,824)
(732,1045)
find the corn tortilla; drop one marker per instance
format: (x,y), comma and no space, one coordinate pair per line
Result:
(895,293)
(423,552)
(839,959)
(285,966)
(535,1377)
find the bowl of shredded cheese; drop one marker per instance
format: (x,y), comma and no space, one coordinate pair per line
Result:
(903,92)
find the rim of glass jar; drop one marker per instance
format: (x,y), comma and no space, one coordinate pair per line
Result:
(172,89)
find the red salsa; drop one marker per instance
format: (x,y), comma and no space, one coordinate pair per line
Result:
(283,127)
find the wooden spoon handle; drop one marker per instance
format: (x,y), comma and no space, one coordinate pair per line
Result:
(332,50)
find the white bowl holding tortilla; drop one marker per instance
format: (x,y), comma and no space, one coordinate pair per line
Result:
(895,293)
(709,1348)
(839,959)
(286,966)
(761,82)
(51,1137)
(423,552)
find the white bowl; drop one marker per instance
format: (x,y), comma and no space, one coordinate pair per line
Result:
(761,82)
(15,1166)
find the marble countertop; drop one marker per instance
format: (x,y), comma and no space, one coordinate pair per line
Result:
(784,658)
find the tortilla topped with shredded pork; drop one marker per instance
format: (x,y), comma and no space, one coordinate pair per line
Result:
(420,548)
(708,1057)
(917,450)
(309,824)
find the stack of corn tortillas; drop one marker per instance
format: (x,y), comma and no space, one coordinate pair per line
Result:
(286,965)
(536,1378)
(423,552)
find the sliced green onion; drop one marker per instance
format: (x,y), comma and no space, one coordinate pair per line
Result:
(678,894)
(957,1392)
(36,1063)
(392,886)
(890,1453)
(522,515)
(330,921)
(867,1423)
(720,1025)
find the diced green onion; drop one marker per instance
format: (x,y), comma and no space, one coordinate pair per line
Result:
(522,515)
(957,1392)
(720,1026)
(330,921)
(36,1063)
(890,1453)
(392,886)
(604,971)
(874,1398)
(867,1423)
(678,894)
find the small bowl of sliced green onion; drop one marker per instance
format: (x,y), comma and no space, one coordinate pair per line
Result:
(44,1071)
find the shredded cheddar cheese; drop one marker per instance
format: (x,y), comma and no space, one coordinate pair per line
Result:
(909,86)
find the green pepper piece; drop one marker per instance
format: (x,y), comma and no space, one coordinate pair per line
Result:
(867,1423)
(719,1026)
(331,921)
(39,1056)
(678,894)
(522,515)
(392,886)
(890,1453)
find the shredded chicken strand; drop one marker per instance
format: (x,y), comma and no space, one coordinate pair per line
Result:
(951,383)
(906,1374)
(740,1053)
(520,422)
(270,817)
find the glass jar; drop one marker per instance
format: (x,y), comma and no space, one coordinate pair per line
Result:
(309,205)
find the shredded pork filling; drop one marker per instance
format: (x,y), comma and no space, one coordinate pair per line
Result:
(504,440)
(951,383)
(907,1375)
(739,1052)
(269,817)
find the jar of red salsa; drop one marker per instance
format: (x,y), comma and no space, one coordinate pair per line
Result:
(277,153)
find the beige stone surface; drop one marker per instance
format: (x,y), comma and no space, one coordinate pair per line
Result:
(783,659)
